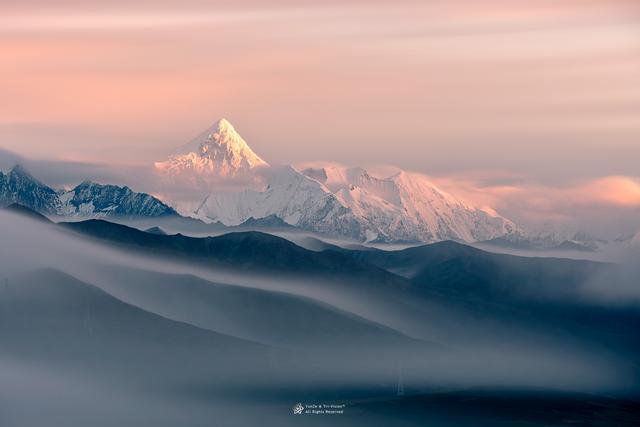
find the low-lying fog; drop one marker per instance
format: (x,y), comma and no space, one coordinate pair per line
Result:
(171,344)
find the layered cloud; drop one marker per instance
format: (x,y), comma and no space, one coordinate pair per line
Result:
(464,84)
(616,190)
(608,206)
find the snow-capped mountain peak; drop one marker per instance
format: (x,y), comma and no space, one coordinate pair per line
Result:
(224,142)
(218,152)
(333,199)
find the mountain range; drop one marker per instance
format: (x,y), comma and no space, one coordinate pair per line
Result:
(337,201)
(154,329)
(529,292)
(86,200)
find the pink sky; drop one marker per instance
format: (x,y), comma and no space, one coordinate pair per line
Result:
(548,90)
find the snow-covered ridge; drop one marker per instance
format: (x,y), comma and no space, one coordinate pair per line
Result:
(407,206)
(350,202)
(87,200)
(340,201)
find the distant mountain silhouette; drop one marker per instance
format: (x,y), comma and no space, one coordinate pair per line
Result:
(49,317)
(86,200)
(268,222)
(248,251)
(156,230)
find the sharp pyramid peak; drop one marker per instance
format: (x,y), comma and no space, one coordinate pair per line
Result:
(219,150)
(223,132)
(222,135)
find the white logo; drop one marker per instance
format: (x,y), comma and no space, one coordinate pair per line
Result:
(298,408)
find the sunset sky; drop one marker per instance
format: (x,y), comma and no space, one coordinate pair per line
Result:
(508,101)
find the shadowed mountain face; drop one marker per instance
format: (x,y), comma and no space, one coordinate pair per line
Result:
(268,222)
(74,355)
(26,212)
(441,262)
(249,251)
(451,325)
(544,294)
(534,294)
(274,318)
(156,230)
(48,316)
